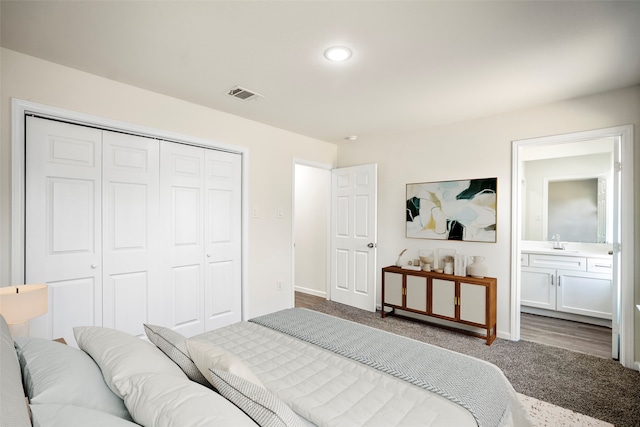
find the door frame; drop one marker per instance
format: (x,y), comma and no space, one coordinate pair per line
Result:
(21,108)
(328,168)
(625,257)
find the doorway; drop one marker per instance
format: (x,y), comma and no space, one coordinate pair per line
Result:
(621,215)
(311,221)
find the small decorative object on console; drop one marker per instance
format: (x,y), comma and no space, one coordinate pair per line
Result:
(403,259)
(477,268)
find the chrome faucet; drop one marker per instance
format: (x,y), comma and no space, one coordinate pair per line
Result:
(556,242)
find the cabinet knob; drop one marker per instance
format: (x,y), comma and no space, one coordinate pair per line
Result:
(94,266)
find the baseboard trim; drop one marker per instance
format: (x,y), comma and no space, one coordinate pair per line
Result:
(310,291)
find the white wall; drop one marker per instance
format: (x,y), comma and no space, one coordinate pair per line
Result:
(480,149)
(311,228)
(271,154)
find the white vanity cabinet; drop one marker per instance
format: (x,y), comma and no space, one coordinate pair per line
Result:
(568,284)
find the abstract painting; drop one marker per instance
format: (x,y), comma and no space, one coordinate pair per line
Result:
(453,210)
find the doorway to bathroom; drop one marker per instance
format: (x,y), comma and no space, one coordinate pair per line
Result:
(570,289)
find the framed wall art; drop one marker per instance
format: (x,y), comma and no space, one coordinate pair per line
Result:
(453,210)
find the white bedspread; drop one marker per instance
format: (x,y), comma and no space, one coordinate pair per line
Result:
(330,390)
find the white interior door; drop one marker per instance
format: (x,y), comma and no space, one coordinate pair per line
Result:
(181,206)
(354,235)
(222,274)
(63,243)
(131,245)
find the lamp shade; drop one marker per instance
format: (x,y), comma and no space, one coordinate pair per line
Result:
(23,302)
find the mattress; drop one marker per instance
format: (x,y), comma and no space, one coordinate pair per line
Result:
(328,389)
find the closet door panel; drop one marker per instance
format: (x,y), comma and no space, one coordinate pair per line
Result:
(186,294)
(223,186)
(129,294)
(63,245)
(132,269)
(71,303)
(182,218)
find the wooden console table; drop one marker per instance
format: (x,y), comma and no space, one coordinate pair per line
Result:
(462,300)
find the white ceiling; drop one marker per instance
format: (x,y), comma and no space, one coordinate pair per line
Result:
(415,64)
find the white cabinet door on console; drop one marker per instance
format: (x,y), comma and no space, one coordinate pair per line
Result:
(393,288)
(417,293)
(444,293)
(473,303)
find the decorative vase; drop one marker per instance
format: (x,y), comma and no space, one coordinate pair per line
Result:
(448,267)
(403,259)
(427,260)
(477,268)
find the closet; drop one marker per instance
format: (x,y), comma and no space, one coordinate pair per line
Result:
(128,229)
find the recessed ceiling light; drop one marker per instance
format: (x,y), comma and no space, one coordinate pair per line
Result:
(351,137)
(337,53)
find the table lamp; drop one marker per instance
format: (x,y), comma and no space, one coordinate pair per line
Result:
(19,304)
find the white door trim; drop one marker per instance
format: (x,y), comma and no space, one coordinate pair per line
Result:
(19,108)
(627,219)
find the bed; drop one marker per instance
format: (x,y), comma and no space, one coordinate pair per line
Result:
(295,367)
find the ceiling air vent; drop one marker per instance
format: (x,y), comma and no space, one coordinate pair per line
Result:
(244,94)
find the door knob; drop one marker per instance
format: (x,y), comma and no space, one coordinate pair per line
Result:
(371,245)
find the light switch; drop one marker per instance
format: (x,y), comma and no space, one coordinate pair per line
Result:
(255,213)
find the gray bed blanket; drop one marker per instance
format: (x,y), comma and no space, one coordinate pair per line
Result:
(478,386)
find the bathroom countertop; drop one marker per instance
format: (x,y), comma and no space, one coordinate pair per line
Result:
(567,252)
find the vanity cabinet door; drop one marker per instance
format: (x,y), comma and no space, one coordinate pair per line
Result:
(588,294)
(443,299)
(392,283)
(538,287)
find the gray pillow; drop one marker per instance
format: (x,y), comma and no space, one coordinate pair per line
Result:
(55,373)
(257,402)
(174,346)
(14,411)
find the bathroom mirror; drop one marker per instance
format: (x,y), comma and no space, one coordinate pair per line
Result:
(567,192)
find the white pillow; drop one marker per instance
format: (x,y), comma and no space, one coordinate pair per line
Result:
(208,356)
(50,415)
(121,355)
(259,403)
(56,373)
(165,400)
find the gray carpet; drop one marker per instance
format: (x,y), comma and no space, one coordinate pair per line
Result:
(590,385)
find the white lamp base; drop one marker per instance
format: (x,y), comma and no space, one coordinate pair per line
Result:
(19,329)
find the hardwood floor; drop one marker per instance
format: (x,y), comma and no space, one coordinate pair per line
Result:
(306,300)
(575,336)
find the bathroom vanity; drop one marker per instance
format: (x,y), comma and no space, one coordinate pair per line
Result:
(567,284)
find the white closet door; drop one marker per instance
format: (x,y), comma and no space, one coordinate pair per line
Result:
(223,296)
(182,217)
(63,245)
(131,242)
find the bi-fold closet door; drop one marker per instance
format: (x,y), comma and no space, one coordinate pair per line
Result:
(128,230)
